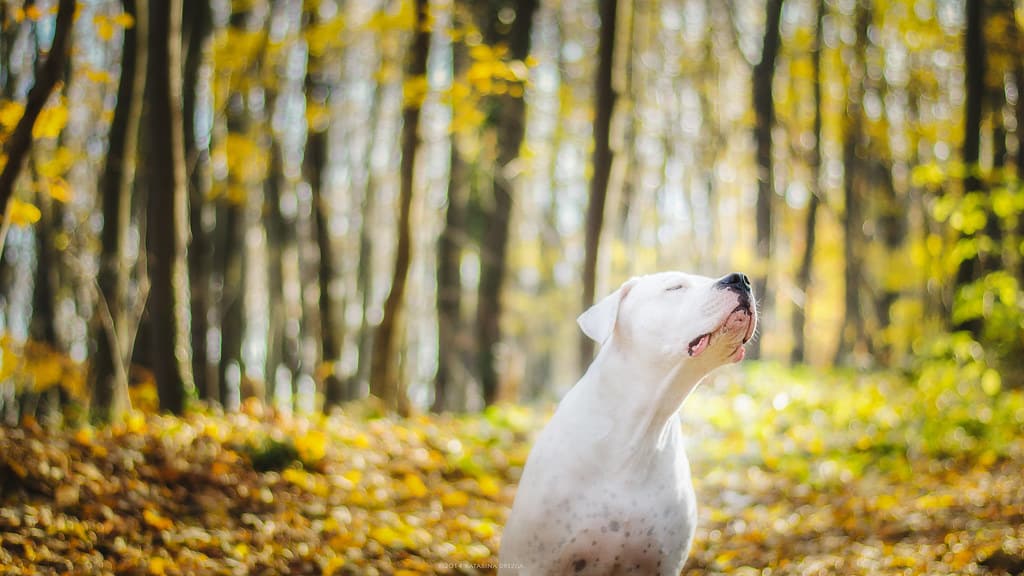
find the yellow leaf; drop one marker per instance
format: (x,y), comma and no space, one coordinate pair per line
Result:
(361,440)
(414,91)
(454,499)
(312,447)
(84,436)
(236,195)
(927,175)
(157,566)
(33,13)
(10,113)
(98,76)
(962,558)
(124,20)
(59,190)
(325,35)
(51,121)
(295,476)
(46,372)
(934,502)
(987,458)
(385,535)
(219,468)
(886,502)
(318,117)
(144,397)
(353,476)
(136,422)
(724,560)
(416,487)
(905,561)
(323,371)
(484,528)
(481,52)
(23,213)
(991,382)
(333,565)
(104,27)
(155,520)
(406,17)
(57,164)
(489,486)
(98,451)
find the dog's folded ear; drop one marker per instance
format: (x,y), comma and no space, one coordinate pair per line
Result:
(598,321)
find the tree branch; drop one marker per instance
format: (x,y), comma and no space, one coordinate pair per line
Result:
(20,142)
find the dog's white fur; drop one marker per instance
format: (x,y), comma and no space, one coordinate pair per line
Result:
(606,488)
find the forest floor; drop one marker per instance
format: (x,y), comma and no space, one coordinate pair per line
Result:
(836,475)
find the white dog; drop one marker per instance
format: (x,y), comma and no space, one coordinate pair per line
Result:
(606,488)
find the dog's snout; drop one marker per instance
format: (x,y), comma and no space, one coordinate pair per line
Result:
(736,281)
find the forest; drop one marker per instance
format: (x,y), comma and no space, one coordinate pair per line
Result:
(290,286)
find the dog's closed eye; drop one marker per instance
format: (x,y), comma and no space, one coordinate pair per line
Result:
(676,287)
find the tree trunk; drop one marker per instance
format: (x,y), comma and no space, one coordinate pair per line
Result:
(314,161)
(622,178)
(231,227)
(108,378)
(893,228)
(384,377)
(449,257)
(852,332)
(275,226)
(231,222)
(764,110)
(8,35)
(364,273)
(20,140)
(331,326)
(1018,113)
(42,327)
(803,277)
(508,118)
(168,207)
(284,326)
(449,285)
(974,80)
(604,104)
(197,23)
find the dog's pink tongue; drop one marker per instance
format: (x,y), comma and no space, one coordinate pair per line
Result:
(700,345)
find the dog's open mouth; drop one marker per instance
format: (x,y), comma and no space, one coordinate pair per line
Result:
(740,315)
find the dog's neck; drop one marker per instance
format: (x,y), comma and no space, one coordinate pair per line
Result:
(639,399)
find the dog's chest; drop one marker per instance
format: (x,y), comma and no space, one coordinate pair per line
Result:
(611,521)
(623,530)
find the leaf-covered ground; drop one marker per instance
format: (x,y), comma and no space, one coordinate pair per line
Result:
(795,475)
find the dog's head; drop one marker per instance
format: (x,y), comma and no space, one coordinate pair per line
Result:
(672,317)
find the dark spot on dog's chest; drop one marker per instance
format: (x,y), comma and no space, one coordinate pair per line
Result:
(579,565)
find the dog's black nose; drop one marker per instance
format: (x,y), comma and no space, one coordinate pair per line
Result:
(736,281)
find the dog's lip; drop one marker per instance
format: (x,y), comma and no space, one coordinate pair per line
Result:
(745,306)
(742,306)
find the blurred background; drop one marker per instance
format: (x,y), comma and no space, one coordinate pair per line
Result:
(310,202)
